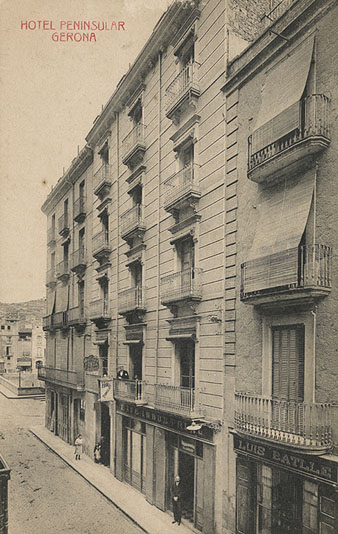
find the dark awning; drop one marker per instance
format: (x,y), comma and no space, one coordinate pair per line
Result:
(282,90)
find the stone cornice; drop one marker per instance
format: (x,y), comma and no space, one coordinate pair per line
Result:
(294,23)
(159,40)
(78,166)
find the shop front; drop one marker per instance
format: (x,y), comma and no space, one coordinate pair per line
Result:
(280,491)
(153,447)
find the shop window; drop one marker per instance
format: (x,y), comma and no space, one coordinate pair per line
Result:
(135,454)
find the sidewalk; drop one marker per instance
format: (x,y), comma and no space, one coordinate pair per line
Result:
(10,395)
(131,502)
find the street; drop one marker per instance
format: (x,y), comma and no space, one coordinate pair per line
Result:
(45,495)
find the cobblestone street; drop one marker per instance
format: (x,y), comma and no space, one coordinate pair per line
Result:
(44,494)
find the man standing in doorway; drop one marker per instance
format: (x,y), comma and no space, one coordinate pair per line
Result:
(176,495)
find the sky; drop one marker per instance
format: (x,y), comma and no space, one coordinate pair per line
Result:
(51,92)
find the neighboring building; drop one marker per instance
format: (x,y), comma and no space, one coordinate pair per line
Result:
(22,346)
(282,140)
(4,478)
(147,231)
(8,343)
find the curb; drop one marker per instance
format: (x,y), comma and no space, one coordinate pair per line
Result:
(89,482)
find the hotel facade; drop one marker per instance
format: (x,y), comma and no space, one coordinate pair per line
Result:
(198,274)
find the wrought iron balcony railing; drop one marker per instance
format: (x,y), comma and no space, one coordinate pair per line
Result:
(51,236)
(50,277)
(79,209)
(132,390)
(133,141)
(306,267)
(102,178)
(76,316)
(185,83)
(181,185)
(131,220)
(131,299)
(175,399)
(63,224)
(79,259)
(298,424)
(71,379)
(182,285)
(313,124)
(101,243)
(62,269)
(99,309)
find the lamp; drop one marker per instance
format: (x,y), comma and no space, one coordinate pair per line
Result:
(194,427)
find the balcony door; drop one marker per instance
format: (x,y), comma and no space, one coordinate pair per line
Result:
(288,377)
(135,362)
(186,254)
(81,298)
(187,372)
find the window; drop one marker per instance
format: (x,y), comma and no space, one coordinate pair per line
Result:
(186,255)
(104,154)
(2,327)
(53,225)
(8,350)
(186,351)
(288,362)
(135,362)
(65,212)
(82,192)
(186,52)
(105,298)
(81,297)
(8,327)
(65,256)
(52,262)
(136,113)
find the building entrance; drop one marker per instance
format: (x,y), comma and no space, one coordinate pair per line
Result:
(105,434)
(186,469)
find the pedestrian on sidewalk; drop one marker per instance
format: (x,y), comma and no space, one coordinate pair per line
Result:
(78,447)
(97,453)
(176,495)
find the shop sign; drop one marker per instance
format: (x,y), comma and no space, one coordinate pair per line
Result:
(165,420)
(91,363)
(313,465)
(106,390)
(187,446)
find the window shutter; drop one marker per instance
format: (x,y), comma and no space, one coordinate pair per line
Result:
(275,363)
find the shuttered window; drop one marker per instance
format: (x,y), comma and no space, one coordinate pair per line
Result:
(288,362)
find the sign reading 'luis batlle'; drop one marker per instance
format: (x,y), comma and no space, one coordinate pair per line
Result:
(313,465)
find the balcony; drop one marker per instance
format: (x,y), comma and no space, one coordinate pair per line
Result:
(130,390)
(79,209)
(289,153)
(24,361)
(63,225)
(99,310)
(182,189)
(51,240)
(182,92)
(274,14)
(62,270)
(131,300)
(101,246)
(295,424)
(102,180)
(132,224)
(183,285)
(79,261)
(76,317)
(297,274)
(133,146)
(51,278)
(47,323)
(59,320)
(71,379)
(174,399)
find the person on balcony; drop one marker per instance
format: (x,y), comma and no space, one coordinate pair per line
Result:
(176,496)
(122,374)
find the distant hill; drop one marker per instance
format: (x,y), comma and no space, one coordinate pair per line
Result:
(31,311)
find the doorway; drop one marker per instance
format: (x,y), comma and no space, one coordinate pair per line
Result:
(105,435)
(186,469)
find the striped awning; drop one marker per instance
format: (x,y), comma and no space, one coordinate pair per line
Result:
(283,88)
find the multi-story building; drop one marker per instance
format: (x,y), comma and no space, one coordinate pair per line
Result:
(147,232)
(282,138)
(8,343)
